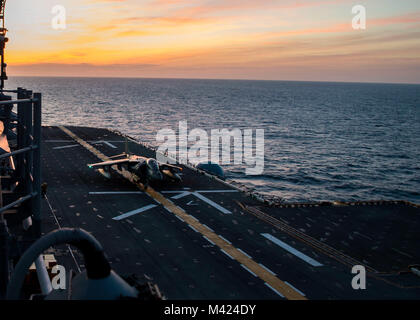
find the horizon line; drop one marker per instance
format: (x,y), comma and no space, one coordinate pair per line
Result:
(216,79)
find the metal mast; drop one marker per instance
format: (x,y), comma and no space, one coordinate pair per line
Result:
(3,40)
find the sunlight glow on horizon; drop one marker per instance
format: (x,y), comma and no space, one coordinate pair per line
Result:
(235,39)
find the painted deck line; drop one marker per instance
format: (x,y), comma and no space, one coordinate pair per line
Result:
(209,240)
(115,192)
(268,270)
(274,289)
(294,288)
(362,235)
(195,218)
(58,141)
(265,276)
(207,227)
(249,270)
(221,237)
(179,218)
(134,212)
(66,147)
(227,254)
(217,191)
(213,204)
(181,195)
(402,253)
(292,250)
(66,141)
(109,141)
(109,144)
(193,228)
(245,253)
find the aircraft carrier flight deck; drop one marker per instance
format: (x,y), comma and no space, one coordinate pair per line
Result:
(205,239)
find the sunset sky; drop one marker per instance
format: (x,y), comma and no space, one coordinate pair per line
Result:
(236,39)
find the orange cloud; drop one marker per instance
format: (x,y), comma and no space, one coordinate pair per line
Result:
(181,37)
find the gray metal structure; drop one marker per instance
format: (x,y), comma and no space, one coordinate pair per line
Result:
(3,41)
(20,162)
(20,200)
(97,282)
(20,184)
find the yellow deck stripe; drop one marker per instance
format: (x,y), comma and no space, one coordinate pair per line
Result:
(262,273)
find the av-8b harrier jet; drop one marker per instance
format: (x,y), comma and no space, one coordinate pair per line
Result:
(147,169)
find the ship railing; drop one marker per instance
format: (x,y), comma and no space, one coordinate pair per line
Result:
(27,152)
(20,171)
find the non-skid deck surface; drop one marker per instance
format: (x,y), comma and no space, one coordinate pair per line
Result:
(186,264)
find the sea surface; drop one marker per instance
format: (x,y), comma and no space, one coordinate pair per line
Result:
(323,141)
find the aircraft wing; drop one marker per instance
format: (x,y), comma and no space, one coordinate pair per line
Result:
(166,166)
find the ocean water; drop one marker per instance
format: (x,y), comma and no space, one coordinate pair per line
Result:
(323,141)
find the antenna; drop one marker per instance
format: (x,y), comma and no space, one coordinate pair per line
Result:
(3,40)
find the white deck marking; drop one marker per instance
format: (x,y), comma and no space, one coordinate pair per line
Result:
(103,141)
(193,228)
(217,191)
(201,191)
(207,227)
(209,240)
(294,288)
(194,218)
(181,195)
(274,289)
(132,213)
(224,239)
(213,204)
(115,192)
(67,147)
(362,235)
(59,141)
(403,253)
(263,266)
(94,142)
(248,270)
(109,144)
(245,253)
(292,250)
(227,254)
